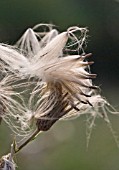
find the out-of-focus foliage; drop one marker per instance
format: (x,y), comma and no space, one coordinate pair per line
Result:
(64,146)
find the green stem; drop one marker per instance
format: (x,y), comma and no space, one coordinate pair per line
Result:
(36,132)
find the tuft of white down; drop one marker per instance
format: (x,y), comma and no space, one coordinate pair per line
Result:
(12,60)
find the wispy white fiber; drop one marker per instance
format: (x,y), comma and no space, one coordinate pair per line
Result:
(11,59)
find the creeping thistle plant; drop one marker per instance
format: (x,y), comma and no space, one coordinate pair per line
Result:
(45,77)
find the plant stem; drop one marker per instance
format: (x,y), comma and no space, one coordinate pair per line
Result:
(36,132)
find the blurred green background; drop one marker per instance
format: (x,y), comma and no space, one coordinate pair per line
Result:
(64,146)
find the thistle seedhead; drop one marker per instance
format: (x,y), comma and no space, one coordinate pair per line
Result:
(59,69)
(6,163)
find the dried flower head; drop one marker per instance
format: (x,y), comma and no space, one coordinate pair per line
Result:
(60,73)
(6,163)
(65,85)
